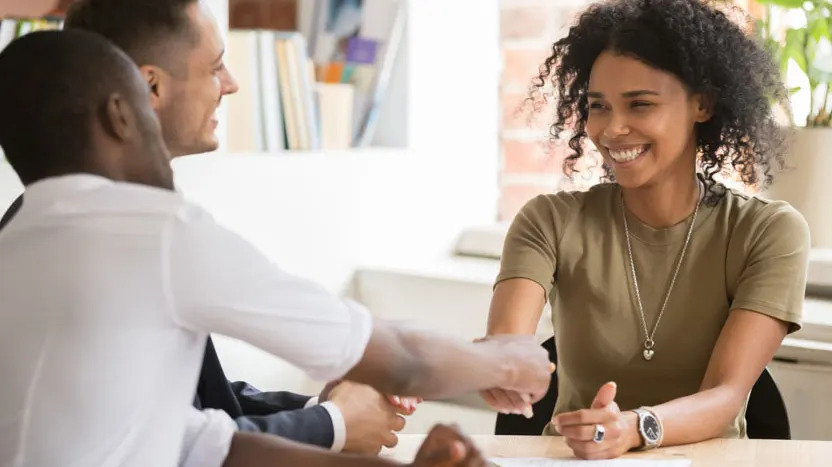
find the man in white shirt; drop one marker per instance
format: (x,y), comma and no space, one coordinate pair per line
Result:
(110,282)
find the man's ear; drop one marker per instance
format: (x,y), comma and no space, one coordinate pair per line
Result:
(704,107)
(118,118)
(153,76)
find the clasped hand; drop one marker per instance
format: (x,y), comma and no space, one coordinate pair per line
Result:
(370,418)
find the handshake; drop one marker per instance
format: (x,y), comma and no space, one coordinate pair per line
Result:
(511,371)
(529,373)
(525,372)
(521,372)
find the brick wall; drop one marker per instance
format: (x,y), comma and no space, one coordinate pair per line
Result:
(529,165)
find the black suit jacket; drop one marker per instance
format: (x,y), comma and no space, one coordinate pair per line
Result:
(278,413)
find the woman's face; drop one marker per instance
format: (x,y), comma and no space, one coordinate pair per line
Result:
(642,121)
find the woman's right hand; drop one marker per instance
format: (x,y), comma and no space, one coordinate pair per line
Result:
(507,402)
(446,446)
(515,311)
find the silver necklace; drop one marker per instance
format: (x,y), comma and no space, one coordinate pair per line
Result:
(649,343)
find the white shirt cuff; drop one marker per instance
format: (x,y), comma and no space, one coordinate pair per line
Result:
(339,426)
(208,436)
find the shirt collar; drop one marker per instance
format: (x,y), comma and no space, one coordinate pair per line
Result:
(52,189)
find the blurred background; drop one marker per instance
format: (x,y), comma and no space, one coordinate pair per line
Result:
(379,147)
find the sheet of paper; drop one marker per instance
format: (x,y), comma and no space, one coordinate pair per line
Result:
(541,462)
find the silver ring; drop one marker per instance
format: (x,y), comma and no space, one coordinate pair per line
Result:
(598,437)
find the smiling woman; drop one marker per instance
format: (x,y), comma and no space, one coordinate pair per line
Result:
(669,292)
(734,85)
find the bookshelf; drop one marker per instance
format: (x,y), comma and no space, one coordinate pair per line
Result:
(441,109)
(291,109)
(356,97)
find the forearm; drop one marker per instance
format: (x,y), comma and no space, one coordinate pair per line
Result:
(255,402)
(256,450)
(448,368)
(409,362)
(746,344)
(309,426)
(698,417)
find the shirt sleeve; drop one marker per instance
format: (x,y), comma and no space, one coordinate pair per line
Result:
(311,425)
(339,425)
(208,435)
(773,281)
(530,248)
(219,283)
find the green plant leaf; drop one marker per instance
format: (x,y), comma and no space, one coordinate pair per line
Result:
(783,3)
(794,48)
(818,26)
(810,51)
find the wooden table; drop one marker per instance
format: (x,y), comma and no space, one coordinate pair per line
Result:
(714,453)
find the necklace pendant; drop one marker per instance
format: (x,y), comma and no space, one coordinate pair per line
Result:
(648,349)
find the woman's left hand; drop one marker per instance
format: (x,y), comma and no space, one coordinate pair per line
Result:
(579,427)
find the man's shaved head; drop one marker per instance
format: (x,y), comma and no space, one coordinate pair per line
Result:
(76,103)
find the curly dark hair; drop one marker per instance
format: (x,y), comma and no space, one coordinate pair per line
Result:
(707,51)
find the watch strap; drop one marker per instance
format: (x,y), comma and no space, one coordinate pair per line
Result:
(647,443)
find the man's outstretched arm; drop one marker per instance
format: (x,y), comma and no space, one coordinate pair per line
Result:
(406,361)
(220,283)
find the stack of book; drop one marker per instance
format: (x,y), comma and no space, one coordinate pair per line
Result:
(276,107)
(318,86)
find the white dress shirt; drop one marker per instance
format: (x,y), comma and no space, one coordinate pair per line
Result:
(208,435)
(107,292)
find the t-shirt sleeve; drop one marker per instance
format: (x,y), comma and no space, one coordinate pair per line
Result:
(774,279)
(530,248)
(221,283)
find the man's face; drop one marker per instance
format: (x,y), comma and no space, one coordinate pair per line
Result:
(187,108)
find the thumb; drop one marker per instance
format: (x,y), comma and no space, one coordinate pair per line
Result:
(605,396)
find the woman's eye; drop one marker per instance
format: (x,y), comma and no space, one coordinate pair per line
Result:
(641,104)
(596,105)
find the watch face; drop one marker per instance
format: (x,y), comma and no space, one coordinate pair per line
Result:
(650,426)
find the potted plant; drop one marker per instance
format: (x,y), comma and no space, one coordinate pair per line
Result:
(798,34)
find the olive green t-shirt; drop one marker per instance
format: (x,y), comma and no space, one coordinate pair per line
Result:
(744,253)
